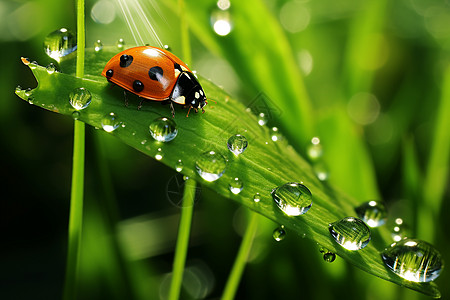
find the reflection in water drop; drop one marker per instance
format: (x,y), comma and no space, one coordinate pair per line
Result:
(279,233)
(60,43)
(373,213)
(163,129)
(351,233)
(110,122)
(328,256)
(80,98)
(413,260)
(292,198)
(236,185)
(237,144)
(256,198)
(210,165)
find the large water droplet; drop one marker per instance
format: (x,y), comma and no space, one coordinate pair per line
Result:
(60,43)
(373,213)
(292,198)
(163,129)
(237,144)
(279,233)
(351,233)
(236,185)
(210,165)
(413,260)
(110,122)
(80,98)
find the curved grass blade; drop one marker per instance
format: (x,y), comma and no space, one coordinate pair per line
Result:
(263,166)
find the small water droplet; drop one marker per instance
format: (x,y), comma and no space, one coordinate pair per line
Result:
(257,198)
(221,21)
(328,256)
(163,129)
(75,115)
(143,142)
(351,233)
(110,122)
(292,198)
(237,144)
(236,185)
(80,98)
(51,68)
(179,166)
(159,155)
(314,150)
(210,165)
(33,65)
(167,48)
(98,46)
(18,90)
(400,230)
(279,233)
(275,134)
(120,44)
(372,212)
(60,43)
(321,171)
(413,260)
(28,92)
(262,119)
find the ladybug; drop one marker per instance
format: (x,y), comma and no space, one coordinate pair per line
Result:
(156,74)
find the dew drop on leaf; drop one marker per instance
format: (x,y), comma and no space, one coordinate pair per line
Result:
(372,212)
(159,155)
(51,68)
(237,144)
(120,44)
(256,198)
(163,129)
(110,122)
(80,98)
(236,185)
(292,198)
(279,233)
(413,260)
(179,166)
(314,149)
(328,256)
(60,43)
(210,165)
(351,233)
(98,46)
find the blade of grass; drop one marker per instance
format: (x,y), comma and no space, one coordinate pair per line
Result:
(77,189)
(183,239)
(241,259)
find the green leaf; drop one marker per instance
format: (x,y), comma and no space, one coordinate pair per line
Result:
(263,166)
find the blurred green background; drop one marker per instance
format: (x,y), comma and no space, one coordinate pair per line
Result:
(378,81)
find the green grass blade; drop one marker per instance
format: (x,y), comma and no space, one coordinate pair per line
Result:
(241,259)
(263,166)
(182,239)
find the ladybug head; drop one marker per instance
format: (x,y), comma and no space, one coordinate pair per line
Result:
(188,91)
(196,98)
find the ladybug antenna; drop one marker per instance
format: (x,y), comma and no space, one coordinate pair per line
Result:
(207,99)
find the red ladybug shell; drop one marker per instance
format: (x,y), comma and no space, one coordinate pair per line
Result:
(156,69)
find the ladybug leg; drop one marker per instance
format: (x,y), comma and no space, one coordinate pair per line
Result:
(140,104)
(125,96)
(173,109)
(203,110)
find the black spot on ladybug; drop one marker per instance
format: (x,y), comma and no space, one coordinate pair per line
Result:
(109,73)
(138,86)
(155,73)
(177,67)
(126,60)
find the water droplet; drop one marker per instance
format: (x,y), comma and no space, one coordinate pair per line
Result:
(351,233)
(98,46)
(159,155)
(237,144)
(110,122)
(18,89)
(400,230)
(314,150)
(257,198)
(28,92)
(236,186)
(321,171)
(275,134)
(262,119)
(328,256)
(120,44)
(33,65)
(163,129)
(413,260)
(75,115)
(80,98)
(279,233)
(179,166)
(292,198)
(210,165)
(51,68)
(60,43)
(372,212)
(221,19)
(167,48)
